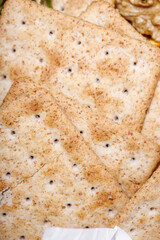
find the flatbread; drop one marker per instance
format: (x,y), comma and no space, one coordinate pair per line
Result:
(151,127)
(103,14)
(130,157)
(72,67)
(71,200)
(35,129)
(73,8)
(73,82)
(141,217)
(51,172)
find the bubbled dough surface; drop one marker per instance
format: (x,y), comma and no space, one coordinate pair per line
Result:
(85,99)
(61,173)
(129,156)
(102,14)
(72,68)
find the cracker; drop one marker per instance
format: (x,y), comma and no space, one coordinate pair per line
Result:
(4,87)
(141,217)
(130,157)
(75,80)
(84,62)
(35,129)
(103,14)
(73,8)
(52,173)
(151,127)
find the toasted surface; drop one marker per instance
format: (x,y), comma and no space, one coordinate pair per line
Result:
(80,83)
(73,8)
(141,217)
(103,14)
(128,155)
(151,127)
(68,201)
(34,128)
(45,159)
(72,55)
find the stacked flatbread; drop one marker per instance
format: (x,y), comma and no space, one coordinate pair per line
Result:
(54,177)
(69,122)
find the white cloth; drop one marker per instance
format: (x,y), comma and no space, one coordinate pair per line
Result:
(56,233)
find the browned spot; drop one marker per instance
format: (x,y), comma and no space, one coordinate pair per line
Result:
(132,143)
(103,100)
(111,68)
(53,57)
(100,200)
(82,214)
